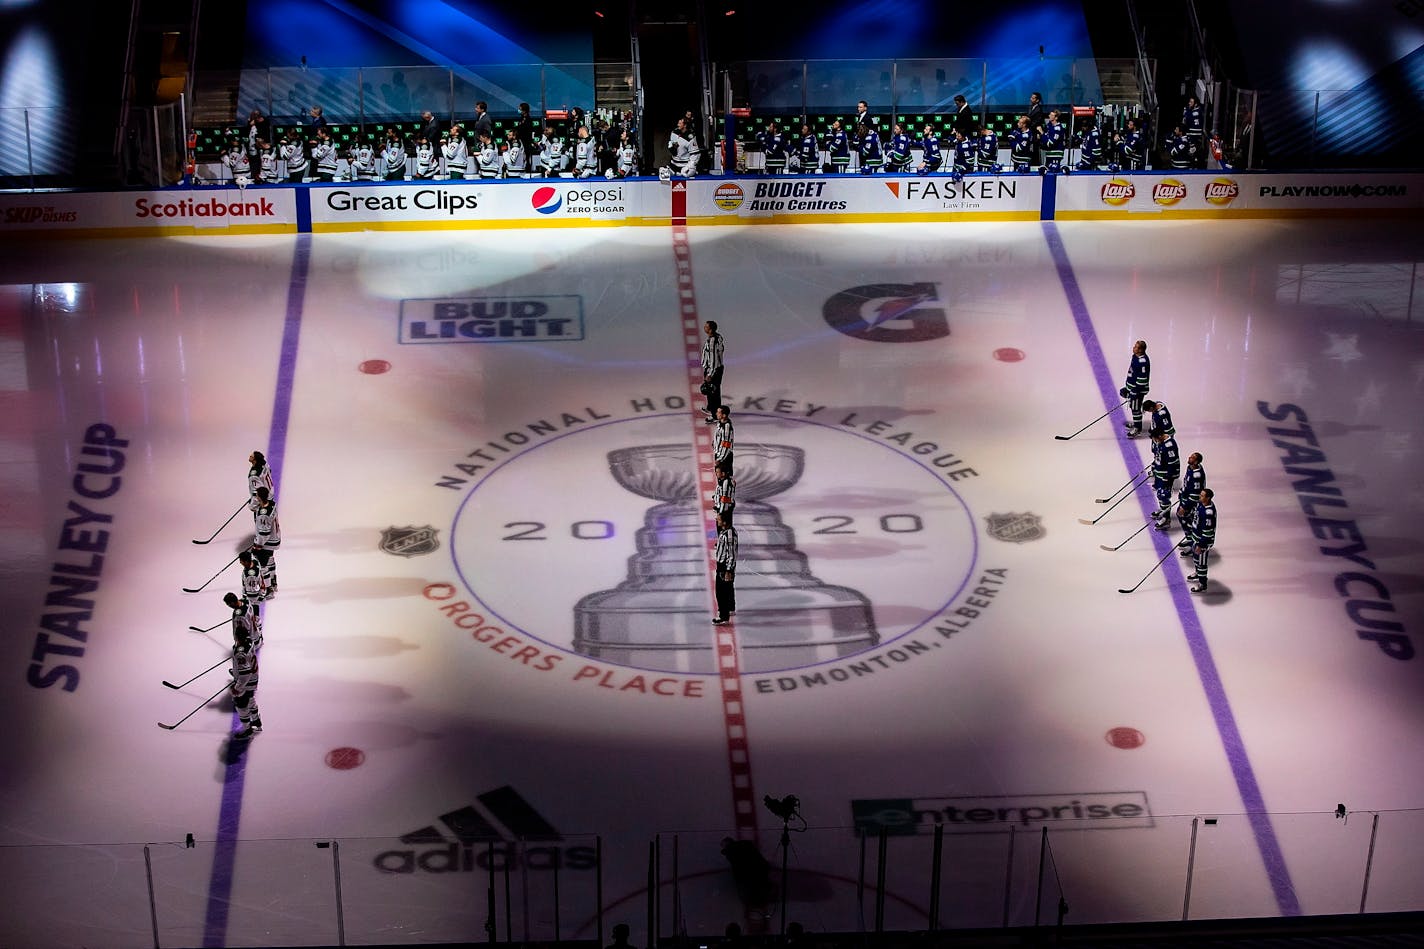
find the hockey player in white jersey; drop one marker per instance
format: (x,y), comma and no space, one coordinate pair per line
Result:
(264,521)
(456,153)
(294,153)
(487,158)
(426,162)
(259,475)
(256,583)
(324,154)
(244,684)
(394,156)
(516,159)
(266,164)
(585,155)
(552,157)
(237,163)
(246,618)
(627,165)
(363,161)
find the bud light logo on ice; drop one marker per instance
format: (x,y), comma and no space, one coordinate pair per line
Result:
(546,200)
(550,319)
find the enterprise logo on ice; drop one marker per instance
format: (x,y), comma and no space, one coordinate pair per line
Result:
(989,814)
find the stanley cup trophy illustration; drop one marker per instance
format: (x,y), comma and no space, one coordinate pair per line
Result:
(660,617)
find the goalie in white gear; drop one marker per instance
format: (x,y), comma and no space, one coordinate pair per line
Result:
(686,153)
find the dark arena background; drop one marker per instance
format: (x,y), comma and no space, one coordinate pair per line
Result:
(968,683)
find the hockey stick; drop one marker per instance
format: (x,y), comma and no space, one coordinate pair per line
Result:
(1124,487)
(1129,537)
(1150,572)
(209,629)
(199,708)
(199,675)
(224,525)
(1083,520)
(1064,438)
(212,578)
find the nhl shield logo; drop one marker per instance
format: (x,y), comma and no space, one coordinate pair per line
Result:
(1014,528)
(410,541)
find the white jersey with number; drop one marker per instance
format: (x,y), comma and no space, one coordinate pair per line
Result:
(264,522)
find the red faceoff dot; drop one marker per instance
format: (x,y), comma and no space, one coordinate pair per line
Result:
(374,367)
(1124,737)
(344,759)
(1009,354)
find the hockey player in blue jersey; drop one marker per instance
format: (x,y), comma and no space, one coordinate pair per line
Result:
(806,159)
(1193,480)
(1194,125)
(897,153)
(931,158)
(1203,537)
(1139,372)
(963,153)
(838,145)
(1166,466)
(1131,150)
(1181,151)
(986,145)
(1053,141)
(872,158)
(1160,420)
(1090,149)
(1021,146)
(773,148)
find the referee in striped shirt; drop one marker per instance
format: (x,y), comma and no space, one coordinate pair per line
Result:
(712,368)
(725,554)
(724,496)
(722,437)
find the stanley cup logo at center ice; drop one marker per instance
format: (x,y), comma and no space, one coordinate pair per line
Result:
(660,616)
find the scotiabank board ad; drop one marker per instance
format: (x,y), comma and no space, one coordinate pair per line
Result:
(156,213)
(792,200)
(1231,194)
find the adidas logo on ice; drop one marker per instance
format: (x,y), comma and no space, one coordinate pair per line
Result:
(503,832)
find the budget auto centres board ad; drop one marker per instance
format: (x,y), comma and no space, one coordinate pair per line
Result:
(136,213)
(797,199)
(1229,194)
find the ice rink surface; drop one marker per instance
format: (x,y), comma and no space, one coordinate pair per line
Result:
(494,609)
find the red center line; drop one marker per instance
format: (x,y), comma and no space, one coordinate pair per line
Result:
(744,814)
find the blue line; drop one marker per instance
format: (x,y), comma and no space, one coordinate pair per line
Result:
(230,814)
(1226,727)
